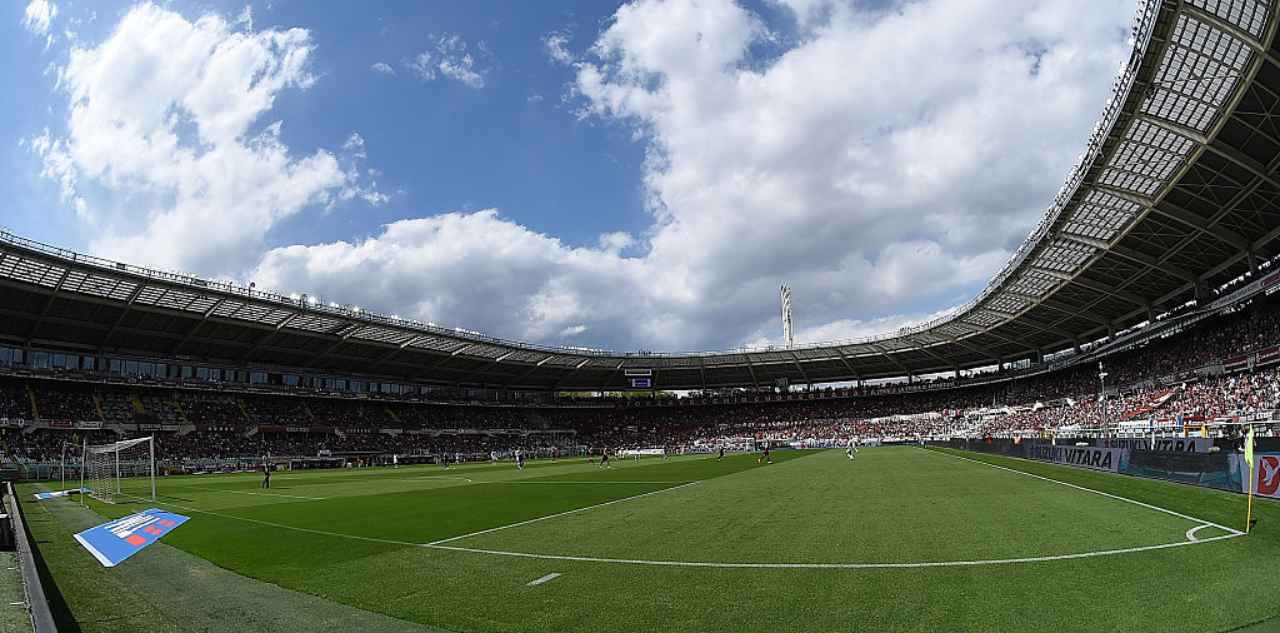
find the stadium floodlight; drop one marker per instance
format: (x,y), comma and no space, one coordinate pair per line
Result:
(787,336)
(124,470)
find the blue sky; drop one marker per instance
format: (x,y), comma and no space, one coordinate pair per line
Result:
(637,175)
(441,145)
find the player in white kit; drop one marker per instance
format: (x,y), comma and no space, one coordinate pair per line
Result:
(852,450)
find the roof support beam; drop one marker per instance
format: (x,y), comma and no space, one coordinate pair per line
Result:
(1106,290)
(128,305)
(926,351)
(755,382)
(891,359)
(845,359)
(1084,314)
(1235,31)
(805,374)
(609,378)
(515,380)
(1151,262)
(978,350)
(195,329)
(1092,242)
(269,338)
(1049,272)
(391,353)
(343,334)
(48,304)
(570,372)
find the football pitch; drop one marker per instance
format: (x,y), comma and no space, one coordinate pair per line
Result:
(901,539)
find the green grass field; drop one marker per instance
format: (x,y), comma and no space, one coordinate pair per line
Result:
(903,539)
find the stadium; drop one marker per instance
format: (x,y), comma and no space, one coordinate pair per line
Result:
(1092,441)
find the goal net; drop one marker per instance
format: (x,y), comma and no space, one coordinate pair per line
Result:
(120,471)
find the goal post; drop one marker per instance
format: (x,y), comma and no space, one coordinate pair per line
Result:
(120,471)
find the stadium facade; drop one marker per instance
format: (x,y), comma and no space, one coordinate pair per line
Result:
(1176,194)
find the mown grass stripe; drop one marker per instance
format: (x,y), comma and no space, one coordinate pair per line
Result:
(1149,506)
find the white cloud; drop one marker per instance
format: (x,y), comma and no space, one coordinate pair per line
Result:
(557,46)
(573,330)
(477,270)
(245,18)
(450,59)
(57,165)
(165,123)
(884,165)
(383,68)
(39,16)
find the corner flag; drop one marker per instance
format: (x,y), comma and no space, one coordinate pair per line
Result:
(1248,459)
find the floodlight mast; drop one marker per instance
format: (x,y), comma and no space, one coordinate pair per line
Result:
(787,337)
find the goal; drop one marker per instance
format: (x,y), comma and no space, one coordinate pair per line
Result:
(120,471)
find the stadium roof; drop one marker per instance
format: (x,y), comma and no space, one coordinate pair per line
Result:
(1177,191)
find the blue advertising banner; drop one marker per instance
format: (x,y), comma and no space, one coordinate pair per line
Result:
(114,541)
(45,496)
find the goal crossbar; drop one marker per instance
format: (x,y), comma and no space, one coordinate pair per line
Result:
(119,470)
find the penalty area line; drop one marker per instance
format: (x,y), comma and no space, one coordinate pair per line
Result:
(949,563)
(579,483)
(259,494)
(556,515)
(704,564)
(1231,531)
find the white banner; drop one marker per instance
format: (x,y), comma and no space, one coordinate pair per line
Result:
(1266,474)
(1109,459)
(1169,444)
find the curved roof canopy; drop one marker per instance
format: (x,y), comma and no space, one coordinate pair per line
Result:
(1177,191)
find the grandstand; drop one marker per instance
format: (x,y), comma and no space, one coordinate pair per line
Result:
(1157,262)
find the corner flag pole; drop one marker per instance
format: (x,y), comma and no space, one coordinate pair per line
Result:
(1248,458)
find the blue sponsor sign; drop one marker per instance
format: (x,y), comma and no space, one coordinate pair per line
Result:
(45,496)
(114,541)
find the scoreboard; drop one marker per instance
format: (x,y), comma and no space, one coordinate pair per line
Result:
(639,378)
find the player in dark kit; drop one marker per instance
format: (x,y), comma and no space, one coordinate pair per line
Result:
(764,456)
(721,454)
(604,458)
(266,475)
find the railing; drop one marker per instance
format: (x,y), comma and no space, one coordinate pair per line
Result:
(37,604)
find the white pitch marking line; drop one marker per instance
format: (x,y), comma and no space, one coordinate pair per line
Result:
(1191,534)
(670,563)
(519,481)
(372,539)
(259,494)
(425,478)
(558,514)
(949,563)
(547,578)
(1224,528)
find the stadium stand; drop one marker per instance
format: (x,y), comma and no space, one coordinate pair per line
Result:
(1221,368)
